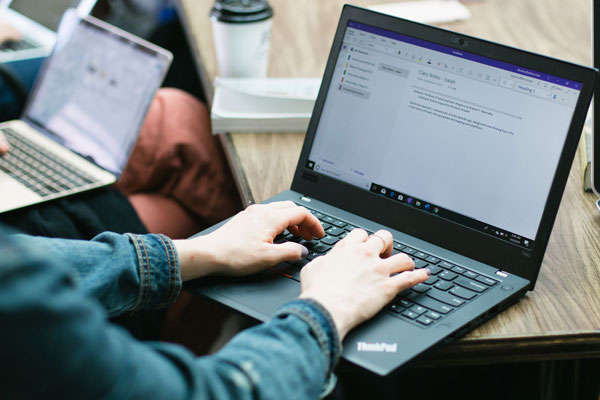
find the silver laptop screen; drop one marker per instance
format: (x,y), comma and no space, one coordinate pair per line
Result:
(470,139)
(44,12)
(95,90)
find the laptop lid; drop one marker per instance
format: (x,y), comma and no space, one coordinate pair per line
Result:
(94,90)
(455,140)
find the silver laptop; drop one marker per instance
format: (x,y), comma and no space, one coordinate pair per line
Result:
(84,114)
(37,21)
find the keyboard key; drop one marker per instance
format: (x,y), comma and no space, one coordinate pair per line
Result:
(321,248)
(418,309)
(432,280)
(471,285)
(410,314)
(443,285)
(330,240)
(409,250)
(325,226)
(458,270)
(398,246)
(430,303)
(334,231)
(424,320)
(328,219)
(445,297)
(486,280)
(447,275)
(433,315)
(405,303)
(349,227)
(446,264)
(470,274)
(420,254)
(434,269)
(419,263)
(312,255)
(397,308)
(432,260)
(339,223)
(421,288)
(463,293)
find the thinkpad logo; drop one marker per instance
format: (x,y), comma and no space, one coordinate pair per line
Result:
(379,347)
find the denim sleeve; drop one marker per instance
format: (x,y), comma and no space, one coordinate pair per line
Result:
(56,342)
(123,272)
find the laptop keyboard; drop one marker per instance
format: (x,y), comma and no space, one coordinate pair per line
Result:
(449,287)
(16,45)
(38,169)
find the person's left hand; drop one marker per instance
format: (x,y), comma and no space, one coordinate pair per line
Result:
(244,245)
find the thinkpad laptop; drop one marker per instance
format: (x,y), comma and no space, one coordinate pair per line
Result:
(458,146)
(83,116)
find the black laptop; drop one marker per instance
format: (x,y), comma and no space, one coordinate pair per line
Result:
(460,147)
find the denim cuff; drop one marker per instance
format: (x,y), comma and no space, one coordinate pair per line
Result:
(158,270)
(323,328)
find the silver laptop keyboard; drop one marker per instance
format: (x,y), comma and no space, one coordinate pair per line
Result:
(39,170)
(16,45)
(449,287)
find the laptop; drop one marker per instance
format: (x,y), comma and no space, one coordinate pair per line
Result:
(83,116)
(460,147)
(37,21)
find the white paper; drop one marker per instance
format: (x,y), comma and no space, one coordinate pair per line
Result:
(263,105)
(426,11)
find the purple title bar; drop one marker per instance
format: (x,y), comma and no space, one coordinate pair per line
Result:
(468,56)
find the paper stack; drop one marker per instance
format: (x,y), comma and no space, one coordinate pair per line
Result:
(263,105)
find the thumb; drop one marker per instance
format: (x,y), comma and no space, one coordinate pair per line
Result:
(288,251)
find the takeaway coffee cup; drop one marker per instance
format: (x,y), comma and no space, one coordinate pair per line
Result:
(242,33)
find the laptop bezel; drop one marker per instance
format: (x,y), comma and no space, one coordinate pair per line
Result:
(108,29)
(461,239)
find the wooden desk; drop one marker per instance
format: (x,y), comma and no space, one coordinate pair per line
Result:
(561,318)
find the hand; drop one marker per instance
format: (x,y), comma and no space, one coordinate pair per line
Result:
(358,277)
(4,147)
(9,33)
(244,245)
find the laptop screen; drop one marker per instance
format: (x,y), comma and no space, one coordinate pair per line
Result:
(46,12)
(95,90)
(466,138)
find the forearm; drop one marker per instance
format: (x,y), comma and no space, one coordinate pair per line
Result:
(123,272)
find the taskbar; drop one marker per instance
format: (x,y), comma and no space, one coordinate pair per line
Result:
(423,205)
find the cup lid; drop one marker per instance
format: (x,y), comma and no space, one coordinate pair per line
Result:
(241,11)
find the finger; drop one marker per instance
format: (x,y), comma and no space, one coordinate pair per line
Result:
(4,147)
(380,242)
(288,251)
(294,230)
(398,263)
(408,279)
(355,237)
(307,223)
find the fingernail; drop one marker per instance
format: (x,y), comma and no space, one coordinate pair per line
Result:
(304,251)
(428,271)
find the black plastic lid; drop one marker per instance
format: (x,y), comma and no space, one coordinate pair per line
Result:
(241,11)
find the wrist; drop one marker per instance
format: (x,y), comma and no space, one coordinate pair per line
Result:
(340,316)
(197,258)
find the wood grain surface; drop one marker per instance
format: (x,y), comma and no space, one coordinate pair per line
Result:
(561,318)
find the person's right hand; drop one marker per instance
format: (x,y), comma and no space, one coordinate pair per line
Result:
(358,277)
(4,147)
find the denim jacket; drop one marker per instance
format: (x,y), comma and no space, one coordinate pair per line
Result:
(56,341)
